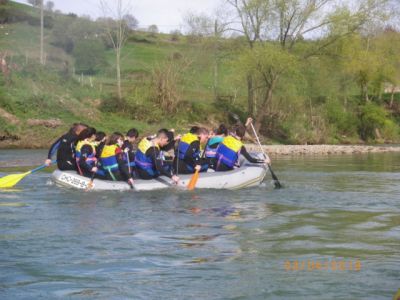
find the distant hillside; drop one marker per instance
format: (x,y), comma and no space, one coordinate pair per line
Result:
(169,80)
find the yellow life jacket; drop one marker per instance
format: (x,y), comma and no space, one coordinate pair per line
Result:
(145,144)
(143,161)
(232,143)
(184,144)
(108,159)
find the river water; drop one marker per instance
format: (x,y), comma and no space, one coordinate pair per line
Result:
(333,232)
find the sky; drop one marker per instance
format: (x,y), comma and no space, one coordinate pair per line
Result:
(166,14)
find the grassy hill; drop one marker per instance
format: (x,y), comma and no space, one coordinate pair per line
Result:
(35,92)
(38,103)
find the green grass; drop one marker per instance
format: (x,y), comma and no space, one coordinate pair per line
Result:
(37,92)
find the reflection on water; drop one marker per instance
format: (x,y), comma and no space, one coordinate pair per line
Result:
(56,242)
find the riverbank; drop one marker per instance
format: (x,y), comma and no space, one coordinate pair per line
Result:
(322,149)
(278,149)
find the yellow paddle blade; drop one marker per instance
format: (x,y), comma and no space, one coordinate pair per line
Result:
(193,181)
(12,204)
(11,180)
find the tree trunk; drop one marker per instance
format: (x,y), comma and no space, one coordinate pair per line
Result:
(118,58)
(216,59)
(216,78)
(364,92)
(392,96)
(41,33)
(250,95)
(265,109)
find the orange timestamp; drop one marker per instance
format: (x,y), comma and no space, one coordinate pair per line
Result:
(328,265)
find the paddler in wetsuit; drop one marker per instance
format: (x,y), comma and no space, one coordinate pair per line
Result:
(65,148)
(85,154)
(188,156)
(128,149)
(112,159)
(231,147)
(99,141)
(213,143)
(149,162)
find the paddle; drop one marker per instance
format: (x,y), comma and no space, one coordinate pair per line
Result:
(129,170)
(90,184)
(195,177)
(193,181)
(12,179)
(276,181)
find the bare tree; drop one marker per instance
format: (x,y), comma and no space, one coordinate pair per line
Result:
(35,3)
(253,17)
(41,33)
(116,29)
(49,6)
(213,28)
(131,21)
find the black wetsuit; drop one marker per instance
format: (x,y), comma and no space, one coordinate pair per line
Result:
(129,146)
(65,148)
(222,167)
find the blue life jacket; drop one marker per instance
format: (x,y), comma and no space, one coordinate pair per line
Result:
(143,161)
(228,151)
(184,145)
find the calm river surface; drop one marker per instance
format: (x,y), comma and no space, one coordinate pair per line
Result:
(333,232)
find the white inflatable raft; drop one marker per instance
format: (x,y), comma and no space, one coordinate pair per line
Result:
(246,176)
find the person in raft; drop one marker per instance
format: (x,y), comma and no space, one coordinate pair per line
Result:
(65,148)
(112,159)
(99,142)
(148,160)
(85,154)
(128,149)
(188,156)
(231,147)
(211,148)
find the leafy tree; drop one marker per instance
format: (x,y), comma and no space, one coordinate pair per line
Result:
(89,56)
(288,22)
(152,29)
(267,63)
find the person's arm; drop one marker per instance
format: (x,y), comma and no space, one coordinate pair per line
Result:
(251,159)
(86,151)
(154,153)
(123,168)
(53,149)
(99,149)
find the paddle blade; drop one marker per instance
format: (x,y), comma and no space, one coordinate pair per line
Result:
(193,181)
(90,185)
(11,180)
(276,181)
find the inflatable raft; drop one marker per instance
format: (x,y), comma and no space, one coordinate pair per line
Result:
(246,175)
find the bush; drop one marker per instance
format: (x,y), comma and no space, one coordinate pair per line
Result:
(89,56)
(345,122)
(12,15)
(372,117)
(390,131)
